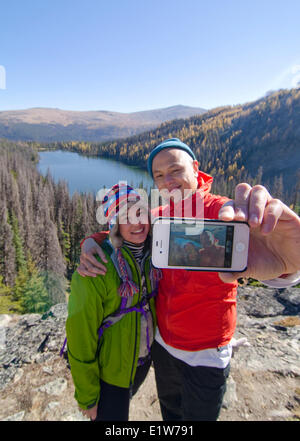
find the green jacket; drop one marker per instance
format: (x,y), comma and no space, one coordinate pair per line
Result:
(114,358)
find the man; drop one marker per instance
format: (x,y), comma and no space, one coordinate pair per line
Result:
(211,254)
(196,311)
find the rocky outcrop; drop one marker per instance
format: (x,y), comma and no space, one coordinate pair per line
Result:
(265,377)
(264,384)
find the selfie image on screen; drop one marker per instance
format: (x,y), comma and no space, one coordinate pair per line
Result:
(194,246)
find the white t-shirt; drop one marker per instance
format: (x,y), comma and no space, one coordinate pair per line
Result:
(220,357)
(215,357)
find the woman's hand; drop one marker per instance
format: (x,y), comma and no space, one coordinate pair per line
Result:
(90,413)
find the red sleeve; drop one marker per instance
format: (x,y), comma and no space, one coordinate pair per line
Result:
(98,237)
(213,204)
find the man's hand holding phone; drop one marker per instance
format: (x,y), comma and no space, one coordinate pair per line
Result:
(274,246)
(274,243)
(200,244)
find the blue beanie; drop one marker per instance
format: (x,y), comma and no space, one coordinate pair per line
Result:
(168,143)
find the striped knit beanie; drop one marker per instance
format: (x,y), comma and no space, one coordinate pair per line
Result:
(115,199)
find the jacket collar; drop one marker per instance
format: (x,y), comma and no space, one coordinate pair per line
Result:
(204,182)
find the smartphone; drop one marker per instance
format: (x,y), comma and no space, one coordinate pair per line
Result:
(200,244)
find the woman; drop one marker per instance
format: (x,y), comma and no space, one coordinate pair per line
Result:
(111,319)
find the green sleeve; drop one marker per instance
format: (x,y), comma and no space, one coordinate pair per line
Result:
(85,314)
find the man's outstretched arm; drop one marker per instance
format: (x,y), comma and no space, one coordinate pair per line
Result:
(274,246)
(91,246)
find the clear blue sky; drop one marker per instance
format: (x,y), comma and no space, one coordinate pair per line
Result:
(131,55)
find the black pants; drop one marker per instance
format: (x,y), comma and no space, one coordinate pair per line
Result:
(186,392)
(114,401)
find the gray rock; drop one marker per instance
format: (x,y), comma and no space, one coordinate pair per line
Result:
(60,311)
(15,417)
(33,338)
(259,302)
(52,406)
(5,319)
(290,298)
(48,370)
(29,320)
(55,387)
(19,374)
(274,353)
(281,413)
(230,396)
(76,415)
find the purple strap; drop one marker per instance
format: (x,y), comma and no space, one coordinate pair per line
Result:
(123,310)
(63,348)
(142,311)
(101,329)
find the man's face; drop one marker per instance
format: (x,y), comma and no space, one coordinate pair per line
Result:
(174,169)
(206,240)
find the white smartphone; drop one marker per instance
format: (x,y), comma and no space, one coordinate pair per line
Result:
(200,244)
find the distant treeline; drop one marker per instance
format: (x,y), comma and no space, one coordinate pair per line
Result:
(257,142)
(41,227)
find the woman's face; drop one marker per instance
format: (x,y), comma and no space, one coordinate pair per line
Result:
(134,224)
(191,251)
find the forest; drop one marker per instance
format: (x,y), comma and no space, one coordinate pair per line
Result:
(41,225)
(258,142)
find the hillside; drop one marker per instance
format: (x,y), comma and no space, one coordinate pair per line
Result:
(41,227)
(257,142)
(48,125)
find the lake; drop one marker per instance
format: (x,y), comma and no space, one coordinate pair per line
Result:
(85,174)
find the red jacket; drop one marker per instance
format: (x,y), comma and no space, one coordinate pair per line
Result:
(195,310)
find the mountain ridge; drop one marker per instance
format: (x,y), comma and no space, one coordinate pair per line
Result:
(257,142)
(44,124)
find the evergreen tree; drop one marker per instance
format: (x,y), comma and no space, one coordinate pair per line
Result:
(7,305)
(35,296)
(18,290)
(18,244)
(7,249)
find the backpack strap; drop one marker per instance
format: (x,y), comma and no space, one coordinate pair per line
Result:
(127,289)
(124,272)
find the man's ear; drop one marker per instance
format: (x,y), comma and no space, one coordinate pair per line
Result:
(196,167)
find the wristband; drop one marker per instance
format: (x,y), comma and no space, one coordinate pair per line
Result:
(285,281)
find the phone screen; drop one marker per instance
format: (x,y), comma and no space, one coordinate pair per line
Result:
(200,245)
